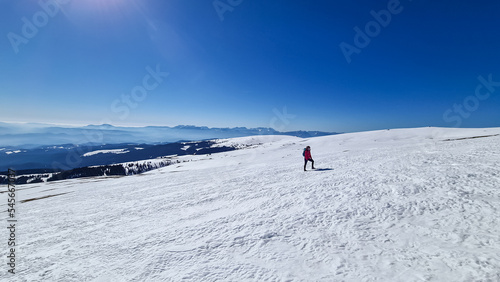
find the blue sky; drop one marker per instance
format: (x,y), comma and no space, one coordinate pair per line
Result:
(228,63)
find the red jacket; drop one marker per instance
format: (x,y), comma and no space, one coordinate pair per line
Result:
(307,154)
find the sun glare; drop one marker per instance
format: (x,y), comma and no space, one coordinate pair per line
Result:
(99,11)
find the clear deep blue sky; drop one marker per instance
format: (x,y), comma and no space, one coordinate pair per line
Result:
(232,67)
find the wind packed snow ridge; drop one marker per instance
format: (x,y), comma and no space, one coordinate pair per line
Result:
(389,205)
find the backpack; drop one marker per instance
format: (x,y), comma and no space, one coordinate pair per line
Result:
(304,153)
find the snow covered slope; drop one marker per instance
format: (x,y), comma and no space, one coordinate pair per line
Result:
(391,205)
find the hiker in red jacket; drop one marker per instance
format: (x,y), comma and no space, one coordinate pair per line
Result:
(307,157)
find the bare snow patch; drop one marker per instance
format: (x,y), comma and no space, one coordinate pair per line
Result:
(252,141)
(114,151)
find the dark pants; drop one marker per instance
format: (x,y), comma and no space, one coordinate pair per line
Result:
(305,163)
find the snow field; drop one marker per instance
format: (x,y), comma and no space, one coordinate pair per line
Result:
(391,205)
(114,151)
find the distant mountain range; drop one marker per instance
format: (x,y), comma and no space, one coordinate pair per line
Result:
(57,163)
(42,148)
(32,135)
(48,159)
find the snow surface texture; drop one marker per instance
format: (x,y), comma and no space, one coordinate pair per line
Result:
(392,205)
